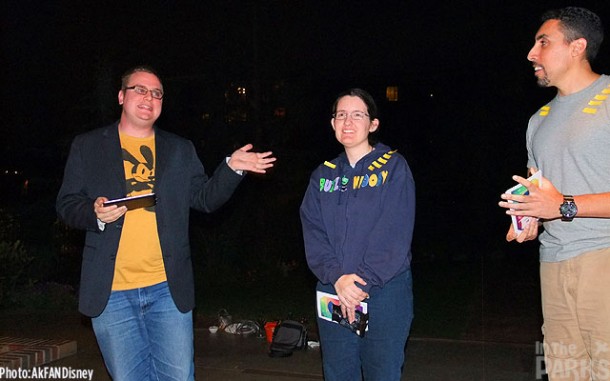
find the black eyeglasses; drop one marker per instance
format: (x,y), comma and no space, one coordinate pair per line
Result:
(141,90)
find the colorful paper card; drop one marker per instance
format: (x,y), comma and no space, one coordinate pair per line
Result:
(520,222)
(325,302)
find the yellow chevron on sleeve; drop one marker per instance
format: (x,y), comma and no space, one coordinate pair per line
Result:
(544,110)
(595,103)
(381,160)
(606,90)
(330,165)
(600,97)
(589,110)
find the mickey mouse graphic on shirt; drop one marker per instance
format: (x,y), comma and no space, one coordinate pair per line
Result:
(139,172)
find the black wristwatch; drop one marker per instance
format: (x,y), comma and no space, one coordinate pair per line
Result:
(568,209)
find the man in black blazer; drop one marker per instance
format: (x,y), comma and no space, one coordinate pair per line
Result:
(137,276)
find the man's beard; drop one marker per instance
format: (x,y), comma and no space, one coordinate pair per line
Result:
(544,81)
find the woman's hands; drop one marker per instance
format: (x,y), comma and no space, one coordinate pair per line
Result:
(350,294)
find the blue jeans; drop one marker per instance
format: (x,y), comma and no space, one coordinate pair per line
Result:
(380,355)
(143,336)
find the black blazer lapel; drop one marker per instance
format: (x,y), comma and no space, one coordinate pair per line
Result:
(111,149)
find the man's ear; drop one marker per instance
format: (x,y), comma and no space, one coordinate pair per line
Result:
(579,47)
(120,97)
(332,123)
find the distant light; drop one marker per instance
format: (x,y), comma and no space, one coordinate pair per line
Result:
(391,92)
(279,112)
(431,95)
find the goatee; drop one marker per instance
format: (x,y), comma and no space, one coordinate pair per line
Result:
(544,81)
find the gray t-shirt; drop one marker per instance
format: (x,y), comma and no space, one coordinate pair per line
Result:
(569,141)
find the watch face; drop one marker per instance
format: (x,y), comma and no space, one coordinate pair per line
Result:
(568,209)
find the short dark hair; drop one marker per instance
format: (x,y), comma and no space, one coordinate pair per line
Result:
(578,23)
(138,69)
(366,98)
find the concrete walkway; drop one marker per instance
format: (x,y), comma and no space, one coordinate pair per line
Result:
(227,357)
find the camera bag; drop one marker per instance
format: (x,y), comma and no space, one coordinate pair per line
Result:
(289,335)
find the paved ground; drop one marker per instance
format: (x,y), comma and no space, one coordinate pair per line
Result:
(496,338)
(227,357)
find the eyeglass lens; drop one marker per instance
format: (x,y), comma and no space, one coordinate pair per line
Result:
(141,90)
(355,115)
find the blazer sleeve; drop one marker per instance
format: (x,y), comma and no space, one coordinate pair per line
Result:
(74,206)
(210,193)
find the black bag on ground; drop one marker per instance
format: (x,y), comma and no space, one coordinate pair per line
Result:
(289,335)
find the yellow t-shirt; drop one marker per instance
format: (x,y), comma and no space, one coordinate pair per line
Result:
(139,261)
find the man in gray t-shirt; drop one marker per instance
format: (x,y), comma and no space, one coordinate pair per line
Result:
(568,140)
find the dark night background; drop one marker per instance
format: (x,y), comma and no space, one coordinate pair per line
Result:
(466,92)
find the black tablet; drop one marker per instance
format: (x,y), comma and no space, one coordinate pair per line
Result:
(134,202)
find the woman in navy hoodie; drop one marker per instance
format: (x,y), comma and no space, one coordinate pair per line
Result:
(358,215)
